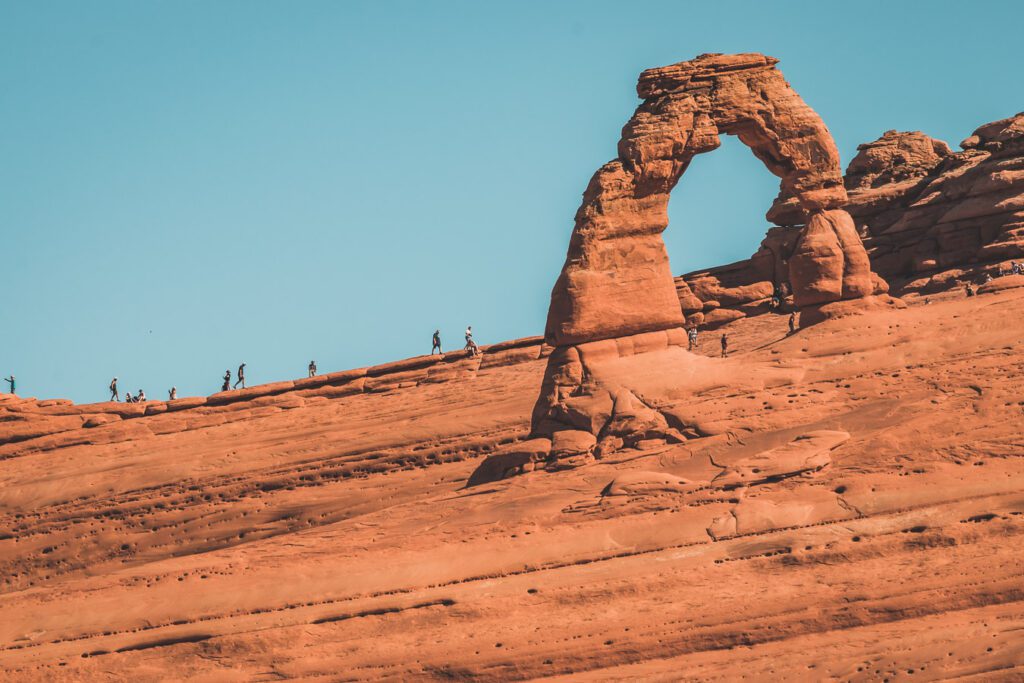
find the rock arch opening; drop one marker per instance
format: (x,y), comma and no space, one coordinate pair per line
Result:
(716,211)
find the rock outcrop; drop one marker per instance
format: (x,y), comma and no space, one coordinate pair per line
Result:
(929,218)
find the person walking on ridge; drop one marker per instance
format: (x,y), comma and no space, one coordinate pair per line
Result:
(436,343)
(241,376)
(470,344)
(113,390)
(725,345)
(312,368)
(10,381)
(227,381)
(172,394)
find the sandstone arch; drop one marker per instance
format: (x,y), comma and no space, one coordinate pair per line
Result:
(616,280)
(619,362)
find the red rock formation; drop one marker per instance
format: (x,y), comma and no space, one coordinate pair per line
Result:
(929,219)
(616,279)
(953,211)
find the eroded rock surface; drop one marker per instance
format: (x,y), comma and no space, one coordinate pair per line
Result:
(931,219)
(329,527)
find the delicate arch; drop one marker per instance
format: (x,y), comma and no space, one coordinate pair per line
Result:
(616,279)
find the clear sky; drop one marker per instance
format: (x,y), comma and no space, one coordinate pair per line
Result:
(188,185)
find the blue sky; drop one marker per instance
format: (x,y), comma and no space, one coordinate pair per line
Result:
(188,185)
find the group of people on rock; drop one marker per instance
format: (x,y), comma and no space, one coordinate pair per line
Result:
(691,334)
(471,346)
(778,300)
(1015,269)
(128,398)
(226,384)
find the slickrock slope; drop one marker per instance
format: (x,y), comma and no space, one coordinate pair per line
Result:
(846,502)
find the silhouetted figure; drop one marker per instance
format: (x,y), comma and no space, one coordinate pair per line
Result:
(436,345)
(968,290)
(113,390)
(10,381)
(725,345)
(172,394)
(470,344)
(691,334)
(227,381)
(141,396)
(312,368)
(241,376)
(792,322)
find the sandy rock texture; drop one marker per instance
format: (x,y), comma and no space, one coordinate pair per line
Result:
(843,503)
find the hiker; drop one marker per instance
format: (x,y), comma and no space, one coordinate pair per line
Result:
(227,381)
(10,380)
(987,279)
(312,368)
(470,344)
(968,289)
(128,397)
(140,397)
(692,335)
(241,376)
(725,345)
(113,390)
(1015,268)
(436,343)
(172,394)
(792,322)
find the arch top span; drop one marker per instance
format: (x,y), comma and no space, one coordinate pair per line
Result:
(616,279)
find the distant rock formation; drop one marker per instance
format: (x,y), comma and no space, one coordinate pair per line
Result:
(930,219)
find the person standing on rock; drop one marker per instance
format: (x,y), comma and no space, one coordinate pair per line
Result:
(241,376)
(113,390)
(10,381)
(437,343)
(725,345)
(792,322)
(692,336)
(172,394)
(227,381)
(470,344)
(312,368)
